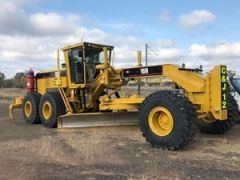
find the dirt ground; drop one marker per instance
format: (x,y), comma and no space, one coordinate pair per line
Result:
(35,152)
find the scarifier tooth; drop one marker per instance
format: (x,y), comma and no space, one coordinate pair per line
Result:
(10,112)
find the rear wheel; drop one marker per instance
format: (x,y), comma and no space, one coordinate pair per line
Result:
(51,107)
(31,108)
(213,126)
(167,120)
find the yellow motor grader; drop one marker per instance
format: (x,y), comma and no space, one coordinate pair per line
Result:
(84,91)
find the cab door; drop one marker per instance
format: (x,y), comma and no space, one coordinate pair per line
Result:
(76,66)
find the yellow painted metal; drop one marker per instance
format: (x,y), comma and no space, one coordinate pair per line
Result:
(210,100)
(46,83)
(106,78)
(201,90)
(139,64)
(160,121)
(115,78)
(98,119)
(68,107)
(205,92)
(81,44)
(58,80)
(190,81)
(17,103)
(28,108)
(72,46)
(215,92)
(131,103)
(139,58)
(47,110)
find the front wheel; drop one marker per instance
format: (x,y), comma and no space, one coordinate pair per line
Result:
(167,120)
(51,107)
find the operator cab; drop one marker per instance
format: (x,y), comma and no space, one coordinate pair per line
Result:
(82,60)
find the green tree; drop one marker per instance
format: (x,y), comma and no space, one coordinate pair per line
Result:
(8,83)
(19,75)
(20,80)
(2,78)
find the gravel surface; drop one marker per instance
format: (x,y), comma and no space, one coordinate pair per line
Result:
(35,152)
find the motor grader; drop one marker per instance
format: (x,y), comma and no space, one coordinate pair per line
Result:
(86,87)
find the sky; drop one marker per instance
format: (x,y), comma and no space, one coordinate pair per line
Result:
(196,33)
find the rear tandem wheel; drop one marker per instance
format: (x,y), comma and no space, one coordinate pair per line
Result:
(31,108)
(51,107)
(213,126)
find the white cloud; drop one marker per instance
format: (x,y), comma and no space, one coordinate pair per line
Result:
(164,43)
(14,20)
(227,53)
(31,40)
(53,24)
(196,18)
(225,50)
(12,17)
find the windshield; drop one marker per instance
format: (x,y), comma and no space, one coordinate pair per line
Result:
(236,84)
(94,55)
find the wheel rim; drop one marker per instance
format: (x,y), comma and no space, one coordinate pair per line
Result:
(28,108)
(160,121)
(47,110)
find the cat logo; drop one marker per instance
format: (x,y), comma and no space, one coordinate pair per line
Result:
(224,87)
(144,70)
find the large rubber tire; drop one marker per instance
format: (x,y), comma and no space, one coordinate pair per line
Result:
(31,108)
(238,119)
(220,127)
(183,115)
(52,101)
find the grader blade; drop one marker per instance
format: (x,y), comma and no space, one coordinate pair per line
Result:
(83,120)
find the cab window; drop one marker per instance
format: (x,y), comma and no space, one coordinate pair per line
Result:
(76,66)
(92,59)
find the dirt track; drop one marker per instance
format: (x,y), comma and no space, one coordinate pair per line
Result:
(35,152)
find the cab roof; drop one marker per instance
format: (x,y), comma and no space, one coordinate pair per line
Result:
(86,44)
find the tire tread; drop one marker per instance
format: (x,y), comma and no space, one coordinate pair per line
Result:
(186,108)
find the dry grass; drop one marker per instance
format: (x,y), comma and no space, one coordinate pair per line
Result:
(7,94)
